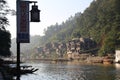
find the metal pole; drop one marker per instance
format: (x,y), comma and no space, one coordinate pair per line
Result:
(18,43)
(18,61)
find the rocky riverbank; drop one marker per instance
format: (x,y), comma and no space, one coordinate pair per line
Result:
(82,58)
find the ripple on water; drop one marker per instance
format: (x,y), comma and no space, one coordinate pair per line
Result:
(48,71)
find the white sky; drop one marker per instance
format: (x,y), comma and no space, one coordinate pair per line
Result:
(52,11)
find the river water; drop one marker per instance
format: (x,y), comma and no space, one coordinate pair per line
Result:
(68,71)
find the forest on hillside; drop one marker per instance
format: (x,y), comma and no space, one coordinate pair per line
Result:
(100,21)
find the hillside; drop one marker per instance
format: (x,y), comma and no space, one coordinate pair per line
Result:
(99,22)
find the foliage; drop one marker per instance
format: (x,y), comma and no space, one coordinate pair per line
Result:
(3,12)
(100,21)
(5,41)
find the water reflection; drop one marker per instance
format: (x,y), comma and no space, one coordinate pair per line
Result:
(117,66)
(64,71)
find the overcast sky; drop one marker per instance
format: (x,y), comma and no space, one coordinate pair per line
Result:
(52,12)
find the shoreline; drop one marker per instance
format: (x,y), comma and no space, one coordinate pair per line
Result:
(88,60)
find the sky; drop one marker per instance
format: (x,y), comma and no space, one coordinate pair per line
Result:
(52,12)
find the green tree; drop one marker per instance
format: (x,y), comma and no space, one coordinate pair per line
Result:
(5,43)
(5,40)
(100,21)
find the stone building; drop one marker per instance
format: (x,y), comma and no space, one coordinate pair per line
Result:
(73,47)
(78,46)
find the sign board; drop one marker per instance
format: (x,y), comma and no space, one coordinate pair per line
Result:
(23,35)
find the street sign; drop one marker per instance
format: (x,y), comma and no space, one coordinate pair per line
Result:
(23,35)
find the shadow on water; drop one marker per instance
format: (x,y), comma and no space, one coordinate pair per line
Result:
(8,73)
(4,70)
(8,70)
(4,73)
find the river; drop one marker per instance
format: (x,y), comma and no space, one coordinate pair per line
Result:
(68,71)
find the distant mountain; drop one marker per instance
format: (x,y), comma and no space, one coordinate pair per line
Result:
(26,47)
